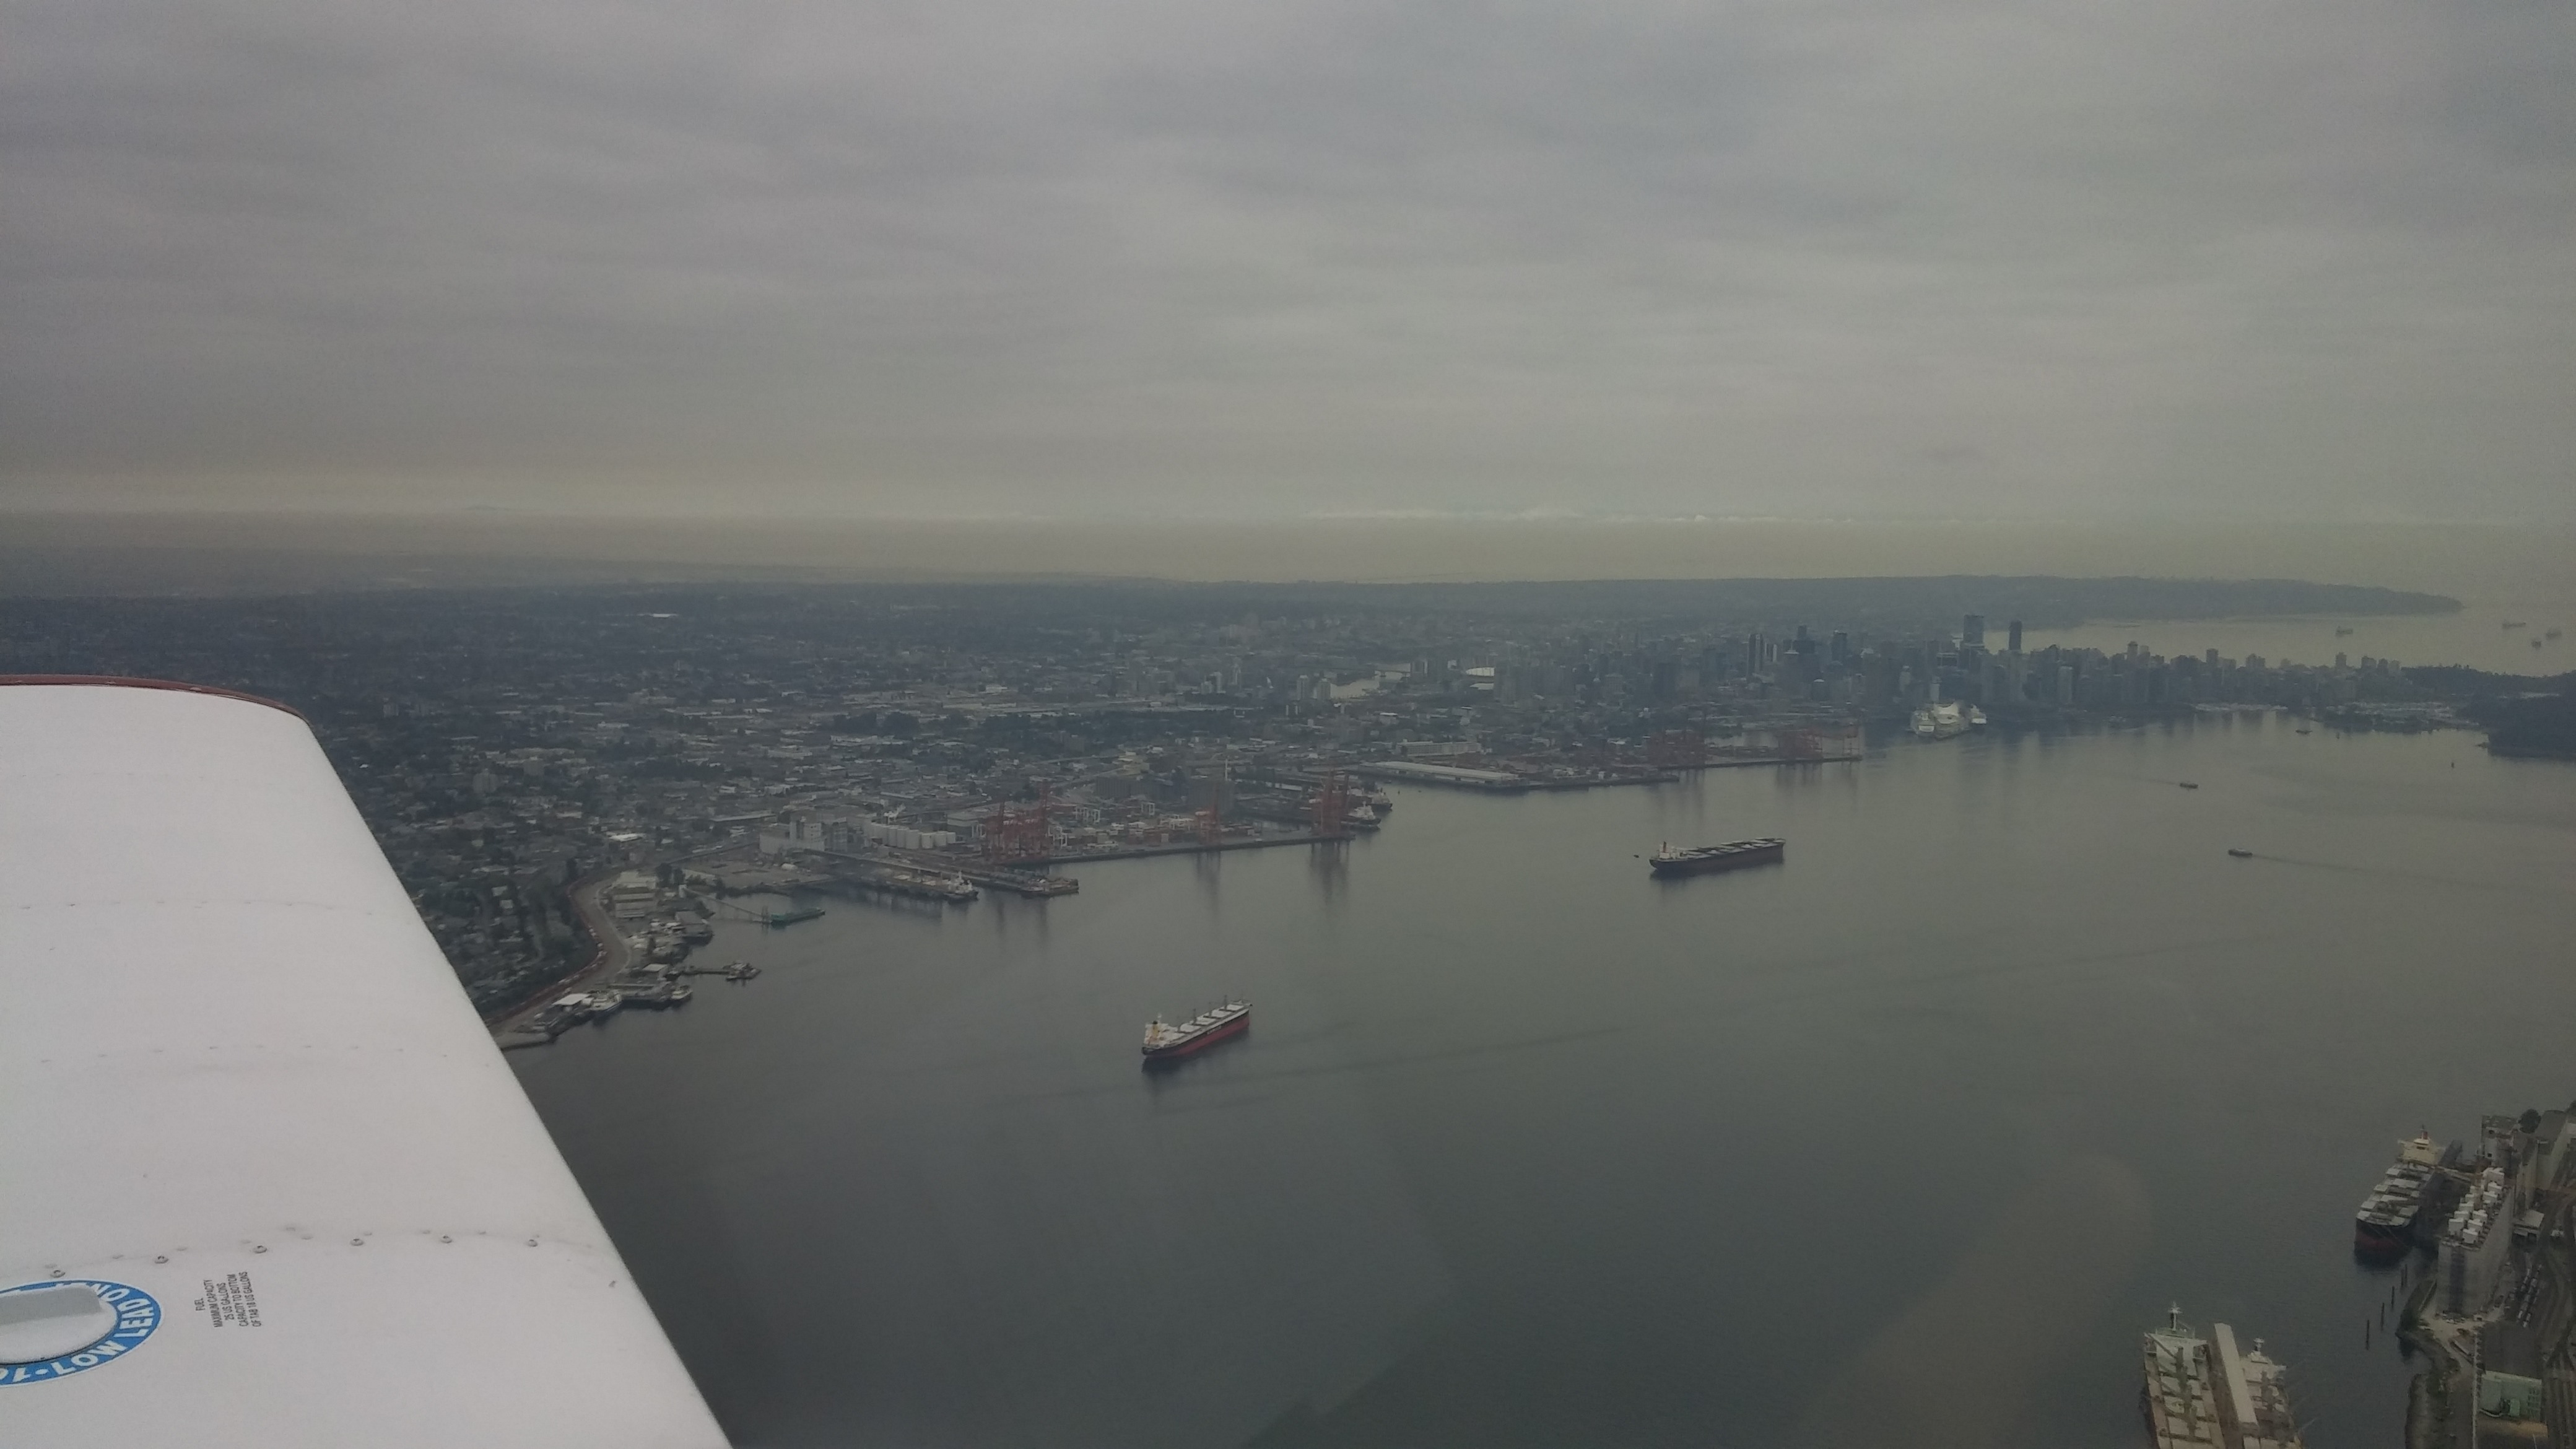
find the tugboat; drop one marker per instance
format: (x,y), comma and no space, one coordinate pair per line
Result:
(1166,1042)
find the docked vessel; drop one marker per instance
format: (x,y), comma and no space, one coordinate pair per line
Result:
(2240,854)
(1702,859)
(2384,1225)
(1166,1041)
(2180,1402)
(2204,1393)
(1939,722)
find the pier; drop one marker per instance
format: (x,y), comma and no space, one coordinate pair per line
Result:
(1194,847)
(731,912)
(1020,882)
(1519,781)
(866,873)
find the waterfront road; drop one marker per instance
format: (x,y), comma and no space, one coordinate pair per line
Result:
(586,895)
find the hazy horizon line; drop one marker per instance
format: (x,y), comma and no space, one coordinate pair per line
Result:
(660,510)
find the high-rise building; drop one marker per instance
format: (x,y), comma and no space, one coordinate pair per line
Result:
(1972,632)
(2015,636)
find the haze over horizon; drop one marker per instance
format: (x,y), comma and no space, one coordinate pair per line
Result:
(1858,259)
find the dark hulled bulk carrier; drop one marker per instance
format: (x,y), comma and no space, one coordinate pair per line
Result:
(2384,1225)
(1703,859)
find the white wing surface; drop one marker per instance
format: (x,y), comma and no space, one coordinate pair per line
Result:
(264,1179)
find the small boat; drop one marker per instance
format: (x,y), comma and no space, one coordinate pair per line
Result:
(2303,729)
(2188,784)
(2240,854)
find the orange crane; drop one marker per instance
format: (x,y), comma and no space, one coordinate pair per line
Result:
(1026,835)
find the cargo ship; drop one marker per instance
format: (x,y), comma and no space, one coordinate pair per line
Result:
(2178,1398)
(2384,1225)
(1168,1042)
(2206,1393)
(1940,721)
(1702,859)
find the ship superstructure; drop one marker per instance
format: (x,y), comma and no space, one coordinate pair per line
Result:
(2205,1393)
(1940,722)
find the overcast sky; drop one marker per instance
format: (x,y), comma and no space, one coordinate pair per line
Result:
(1839,257)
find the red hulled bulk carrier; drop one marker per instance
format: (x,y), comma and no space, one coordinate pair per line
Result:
(1169,1042)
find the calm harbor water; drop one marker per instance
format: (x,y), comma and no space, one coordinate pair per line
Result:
(1525,1147)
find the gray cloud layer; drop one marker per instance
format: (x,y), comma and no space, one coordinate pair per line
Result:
(1852,256)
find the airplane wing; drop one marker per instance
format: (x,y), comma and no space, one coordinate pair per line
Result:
(264,1180)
